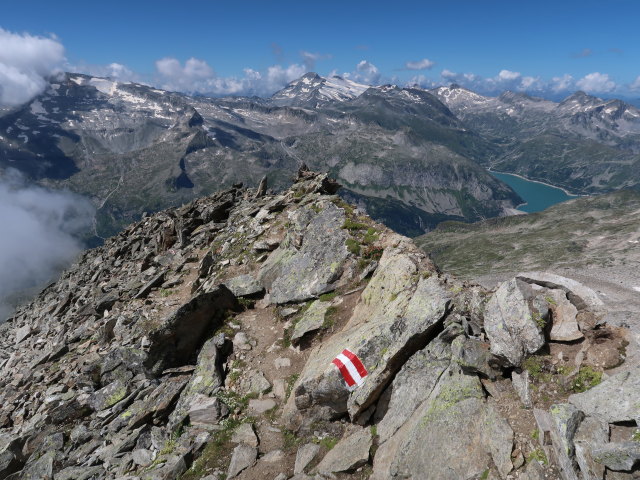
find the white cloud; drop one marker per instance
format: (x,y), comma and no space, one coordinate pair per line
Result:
(116,71)
(596,82)
(508,76)
(424,64)
(635,85)
(196,76)
(39,234)
(365,72)
(561,84)
(26,63)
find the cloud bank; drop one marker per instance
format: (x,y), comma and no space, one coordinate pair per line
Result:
(26,62)
(39,235)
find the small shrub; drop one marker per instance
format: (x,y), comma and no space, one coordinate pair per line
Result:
(534,366)
(291,381)
(539,455)
(372,253)
(636,436)
(353,226)
(327,297)
(586,378)
(330,317)
(353,246)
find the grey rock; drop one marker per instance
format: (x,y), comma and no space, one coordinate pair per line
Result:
(142,457)
(591,433)
(23,333)
(245,434)
(474,431)
(243,457)
(110,395)
(274,456)
(189,323)
(261,406)
(510,324)
(305,455)
(616,399)
(244,286)
(203,410)
(349,453)
(292,275)
(474,356)
(581,296)
(11,459)
(565,325)
(41,469)
(312,320)
(396,314)
(534,471)
(205,381)
(79,473)
(256,384)
(565,419)
(622,456)
(521,385)
(411,386)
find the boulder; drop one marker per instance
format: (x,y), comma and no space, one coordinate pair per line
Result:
(243,286)
(616,399)
(565,325)
(245,434)
(398,313)
(350,452)
(243,457)
(305,455)
(591,433)
(293,274)
(619,456)
(475,434)
(510,322)
(580,295)
(312,320)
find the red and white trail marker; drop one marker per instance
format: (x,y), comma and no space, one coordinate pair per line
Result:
(351,368)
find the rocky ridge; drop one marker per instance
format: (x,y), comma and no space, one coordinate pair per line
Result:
(198,343)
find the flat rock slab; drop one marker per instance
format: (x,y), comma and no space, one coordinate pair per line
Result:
(245,434)
(306,454)
(580,295)
(312,320)
(349,453)
(617,399)
(243,457)
(244,286)
(261,406)
(623,456)
(294,275)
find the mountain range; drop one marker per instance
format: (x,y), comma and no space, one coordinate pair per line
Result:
(410,157)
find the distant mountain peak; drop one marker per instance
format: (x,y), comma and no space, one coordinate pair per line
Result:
(312,90)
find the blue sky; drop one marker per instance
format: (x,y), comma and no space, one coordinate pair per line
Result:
(257,46)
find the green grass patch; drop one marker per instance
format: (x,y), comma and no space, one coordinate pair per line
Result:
(353,226)
(353,246)
(327,297)
(330,317)
(539,455)
(586,378)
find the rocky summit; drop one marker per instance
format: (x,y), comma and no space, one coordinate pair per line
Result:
(254,335)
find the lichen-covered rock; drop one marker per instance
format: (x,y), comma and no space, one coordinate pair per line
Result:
(243,286)
(580,295)
(292,273)
(620,456)
(565,420)
(591,433)
(510,322)
(616,399)
(398,312)
(242,458)
(313,319)
(350,452)
(474,430)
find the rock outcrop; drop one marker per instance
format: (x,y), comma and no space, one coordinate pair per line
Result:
(251,335)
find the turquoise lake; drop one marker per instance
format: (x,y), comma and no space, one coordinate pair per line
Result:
(537,195)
